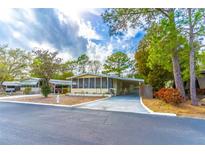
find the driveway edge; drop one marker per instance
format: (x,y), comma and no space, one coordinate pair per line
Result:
(85,103)
(156,113)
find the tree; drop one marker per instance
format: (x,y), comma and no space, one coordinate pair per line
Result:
(121,19)
(64,72)
(82,63)
(156,75)
(45,65)
(201,60)
(192,23)
(45,88)
(117,63)
(71,65)
(94,66)
(14,64)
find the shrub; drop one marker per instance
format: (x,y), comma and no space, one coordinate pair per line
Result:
(169,95)
(27,90)
(65,90)
(45,89)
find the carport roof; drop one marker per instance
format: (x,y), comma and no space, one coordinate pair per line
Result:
(109,76)
(35,81)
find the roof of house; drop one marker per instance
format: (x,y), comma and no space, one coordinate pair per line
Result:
(60,82)
(109,76)
(30,82)
(11,83)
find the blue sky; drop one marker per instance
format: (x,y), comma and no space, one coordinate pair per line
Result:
(69,31)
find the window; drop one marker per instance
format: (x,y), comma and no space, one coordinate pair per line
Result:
(92,83)
(85,82)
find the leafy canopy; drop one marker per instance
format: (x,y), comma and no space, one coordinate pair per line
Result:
(117,63)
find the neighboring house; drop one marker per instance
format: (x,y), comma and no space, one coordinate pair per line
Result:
(35,83)
(200,83)
(11,86)
(102,84)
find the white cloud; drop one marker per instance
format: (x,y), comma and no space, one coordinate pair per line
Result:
(10,15)
(16,34)
(44,45)
(87,31)
(47,46)
(6,15)
(99,52)
(85,28)
(65,56)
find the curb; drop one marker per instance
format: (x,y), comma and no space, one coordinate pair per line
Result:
(34,103)
(46,104)
(156,113)
(18,96)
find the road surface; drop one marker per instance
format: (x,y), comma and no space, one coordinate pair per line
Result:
(37,124)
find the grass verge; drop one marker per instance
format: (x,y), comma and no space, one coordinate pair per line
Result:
(183,109)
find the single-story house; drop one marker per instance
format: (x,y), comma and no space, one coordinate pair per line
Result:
(35,83)
(11,86)
(104,84)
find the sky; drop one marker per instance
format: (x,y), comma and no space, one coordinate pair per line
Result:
(71,32)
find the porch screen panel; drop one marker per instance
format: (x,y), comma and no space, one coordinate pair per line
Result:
(74,83)
(80,83)
(97,82)
(92,84)
(104,82)
(85,82)
(110,83)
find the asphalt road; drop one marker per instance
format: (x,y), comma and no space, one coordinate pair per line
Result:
(36,124)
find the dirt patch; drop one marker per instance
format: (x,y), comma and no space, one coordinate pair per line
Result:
(64,100)
(183,109)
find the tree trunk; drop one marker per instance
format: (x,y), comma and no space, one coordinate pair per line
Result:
(192,62)
(177,74)
(175,57)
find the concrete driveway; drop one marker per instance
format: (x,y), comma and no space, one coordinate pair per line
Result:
(128,103)
(37,124)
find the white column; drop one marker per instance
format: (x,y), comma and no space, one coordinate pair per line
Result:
(88,82)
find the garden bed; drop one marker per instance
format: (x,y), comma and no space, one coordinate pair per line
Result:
(63,99)
(183,109)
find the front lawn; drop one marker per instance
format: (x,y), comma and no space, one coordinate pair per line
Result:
(51,99)
(183,109)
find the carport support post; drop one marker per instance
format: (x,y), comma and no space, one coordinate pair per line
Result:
(54,89)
